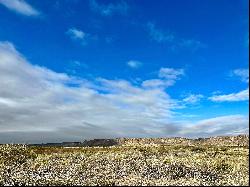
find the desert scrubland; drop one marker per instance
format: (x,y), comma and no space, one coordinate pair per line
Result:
(160,161)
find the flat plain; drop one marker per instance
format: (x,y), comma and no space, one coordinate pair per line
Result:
(139,161)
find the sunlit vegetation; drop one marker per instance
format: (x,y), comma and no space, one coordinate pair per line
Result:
(128,164)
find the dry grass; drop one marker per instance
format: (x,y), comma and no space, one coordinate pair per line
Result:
(125,165)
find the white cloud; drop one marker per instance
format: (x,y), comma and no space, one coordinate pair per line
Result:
(173,40)
(158,35)
(109,9)
(170,73)
(40,105)
(76,33)
(79,35)
(243,74)
(240,96)
(192,44)
(20,6)
(36,99)
(223,125)
(168,77)
(193,98)
(134,64)
(155,83)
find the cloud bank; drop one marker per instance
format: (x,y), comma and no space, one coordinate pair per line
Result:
(40,105)
(240,96)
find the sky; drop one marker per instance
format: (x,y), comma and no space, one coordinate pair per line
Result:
(82,69)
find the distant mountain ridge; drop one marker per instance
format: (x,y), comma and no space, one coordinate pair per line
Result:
(239,140)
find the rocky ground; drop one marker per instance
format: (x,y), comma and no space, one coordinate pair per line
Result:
(176,161)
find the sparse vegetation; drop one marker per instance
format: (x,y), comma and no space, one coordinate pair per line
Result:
(127,164)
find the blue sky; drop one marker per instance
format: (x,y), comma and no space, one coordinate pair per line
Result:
(129,68)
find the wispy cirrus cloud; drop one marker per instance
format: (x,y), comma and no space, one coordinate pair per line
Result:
(159,35)
(167,77)
(76,34)
(192,44)
(79,35)
(243,74)
(175,43)
(240,96)
(156,83)
(171,73)
(21,7)
(73,67)
(121,7)
(193,98)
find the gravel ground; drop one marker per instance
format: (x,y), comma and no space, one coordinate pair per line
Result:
(124,165)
